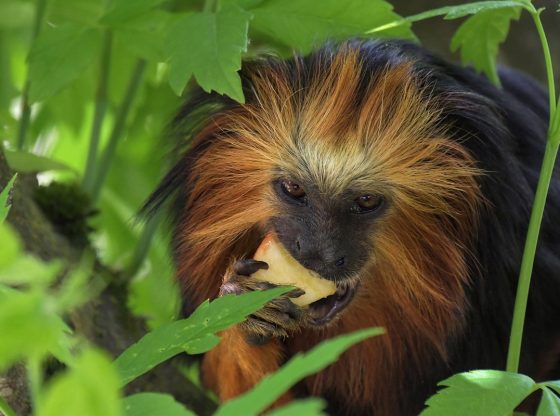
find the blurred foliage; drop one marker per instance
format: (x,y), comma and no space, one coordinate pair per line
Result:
(87,88)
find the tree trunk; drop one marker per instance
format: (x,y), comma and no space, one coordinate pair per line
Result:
(105,320)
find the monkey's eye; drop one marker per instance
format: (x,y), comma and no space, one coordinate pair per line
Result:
(292,189)
(367,203)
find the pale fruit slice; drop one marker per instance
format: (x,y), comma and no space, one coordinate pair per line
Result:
(283,269)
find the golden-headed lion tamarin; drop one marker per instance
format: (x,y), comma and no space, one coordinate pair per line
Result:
(406,180)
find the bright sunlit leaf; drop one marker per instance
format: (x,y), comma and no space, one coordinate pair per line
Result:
(480,392)
(25,317)
(89,388)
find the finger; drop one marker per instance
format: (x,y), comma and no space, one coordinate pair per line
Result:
(265,285)
(296,293)
(287,307)
(263,328)
(247,267)
(257,339)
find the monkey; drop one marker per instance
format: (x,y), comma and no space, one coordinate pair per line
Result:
(405,179)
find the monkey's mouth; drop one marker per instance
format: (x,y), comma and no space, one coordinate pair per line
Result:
(324,310)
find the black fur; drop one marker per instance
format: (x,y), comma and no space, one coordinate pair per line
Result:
(505,129)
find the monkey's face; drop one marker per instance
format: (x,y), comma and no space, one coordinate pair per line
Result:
(329,234)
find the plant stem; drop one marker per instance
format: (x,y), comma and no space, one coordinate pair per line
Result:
(99,113)
(25,107)
(108,154)
(548,62)
(141,250)
(6,409)
(520,307)
(537,212)
(35,379)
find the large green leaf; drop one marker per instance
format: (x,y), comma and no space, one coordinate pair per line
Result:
(479,37)
(124,10)
(304,24)
(195,334)
(145,35)
(304,407)
(208,46)
(59,56)
(4,196)
(82,12)
(550,404)
(480,392)
(15,14)
(89,388)
(150,404)
(300,366)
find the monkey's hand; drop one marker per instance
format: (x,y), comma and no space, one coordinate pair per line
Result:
(278,317)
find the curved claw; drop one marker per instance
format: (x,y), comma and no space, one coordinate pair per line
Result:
(247,267)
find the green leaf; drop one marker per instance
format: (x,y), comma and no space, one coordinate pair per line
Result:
(209,46)
(59,56)
(15,14)
(154,293)
(24,317)
(27,270)
(480,392)
(193,332)
(150,404)
(479,37)
(145,35)
(82,12)
(89,388)
(550,404)
(26,162)
(4,196)
(202,344)
(11,245)
(300,366)
(554,385)
(123,10)
(304,24)
(305,407)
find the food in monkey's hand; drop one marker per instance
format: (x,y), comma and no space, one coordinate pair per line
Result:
(283,269)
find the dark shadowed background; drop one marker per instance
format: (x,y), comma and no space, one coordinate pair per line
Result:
(521,49)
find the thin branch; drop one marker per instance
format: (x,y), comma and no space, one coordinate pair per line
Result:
(100,109)
(104,164)
(25,108)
